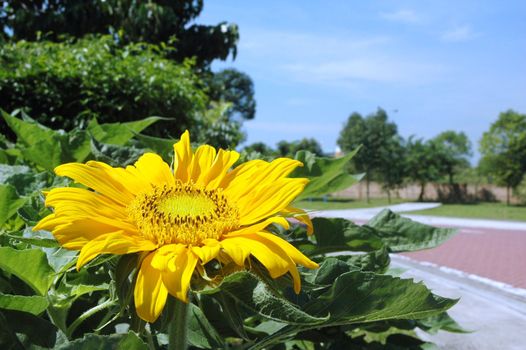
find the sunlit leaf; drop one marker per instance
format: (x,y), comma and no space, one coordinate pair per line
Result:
(30,265)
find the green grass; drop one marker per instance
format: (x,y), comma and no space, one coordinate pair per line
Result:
(344,203)
(495,211)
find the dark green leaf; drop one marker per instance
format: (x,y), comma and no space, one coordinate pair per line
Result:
(200,332)
(128,341)
(38,144)
(252,293)
(334,235)
(37,330)
(30,265)
(358,297)
(115,155)
(442,321)
(10,202)
(402,234)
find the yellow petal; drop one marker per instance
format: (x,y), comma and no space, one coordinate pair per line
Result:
(179,273)
(152,168)
(113,243)
(259,226)
(97,179)
(289,249)
(215,174)
(92,202)
(240,247)
(258,175)
(183,157)
(128,178)
(201,163)
(301,216)
(208,251)
(269,200)
(150,293)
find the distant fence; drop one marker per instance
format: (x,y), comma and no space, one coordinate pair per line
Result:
(433,192)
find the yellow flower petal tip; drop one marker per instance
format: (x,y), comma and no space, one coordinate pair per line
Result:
(179,219)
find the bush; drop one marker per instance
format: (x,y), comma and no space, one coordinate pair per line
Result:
(64,85)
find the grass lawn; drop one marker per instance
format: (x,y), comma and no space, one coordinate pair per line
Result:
(344,203)
(497,211)
(494,211)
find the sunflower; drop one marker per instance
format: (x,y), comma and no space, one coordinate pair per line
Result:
(179,219)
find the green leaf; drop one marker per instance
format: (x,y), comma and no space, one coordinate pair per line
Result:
(359,297)
(163,147)
(335,234)
(115,155)
(200,332)
(37,330)
(33,304)
(10,202)
(119,133)
(30,265)
(402,234)
(326,175)
(38,143)
(255,295)
(442,321)
(128,341)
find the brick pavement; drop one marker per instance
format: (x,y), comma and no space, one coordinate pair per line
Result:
(492,253)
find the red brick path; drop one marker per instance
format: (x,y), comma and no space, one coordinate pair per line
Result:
(496,254)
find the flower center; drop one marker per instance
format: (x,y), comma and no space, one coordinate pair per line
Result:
(182,213)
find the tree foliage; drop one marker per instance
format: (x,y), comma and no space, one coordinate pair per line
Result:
(503,149)
(377,136)
(454,148)
(169,22)
(423,163)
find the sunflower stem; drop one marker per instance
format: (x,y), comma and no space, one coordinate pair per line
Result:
(178,326)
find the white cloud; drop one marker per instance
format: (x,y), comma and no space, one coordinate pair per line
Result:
(383,70)
(459,34)
(403,16)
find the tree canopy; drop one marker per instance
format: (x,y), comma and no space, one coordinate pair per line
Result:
(376,135)
(503,149)
(156,21)
(453,148)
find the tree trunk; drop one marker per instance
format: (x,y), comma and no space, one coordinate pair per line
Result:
(508,195)
(389,196)
(422,190)
(367,182)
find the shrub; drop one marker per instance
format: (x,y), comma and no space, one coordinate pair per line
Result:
(64,85)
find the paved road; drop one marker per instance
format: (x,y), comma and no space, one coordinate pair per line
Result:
(488,248)
(496,254)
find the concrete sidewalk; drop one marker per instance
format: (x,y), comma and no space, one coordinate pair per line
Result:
(496,317)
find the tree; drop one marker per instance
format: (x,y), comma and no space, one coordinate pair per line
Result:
(289,149)
(393,170)
(236,87)
(170,28)
(154,21)
(261,148)
(454,148)
(423,163)
(374,133)
(503,149)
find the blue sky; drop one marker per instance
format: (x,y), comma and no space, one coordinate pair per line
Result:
(432,65)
